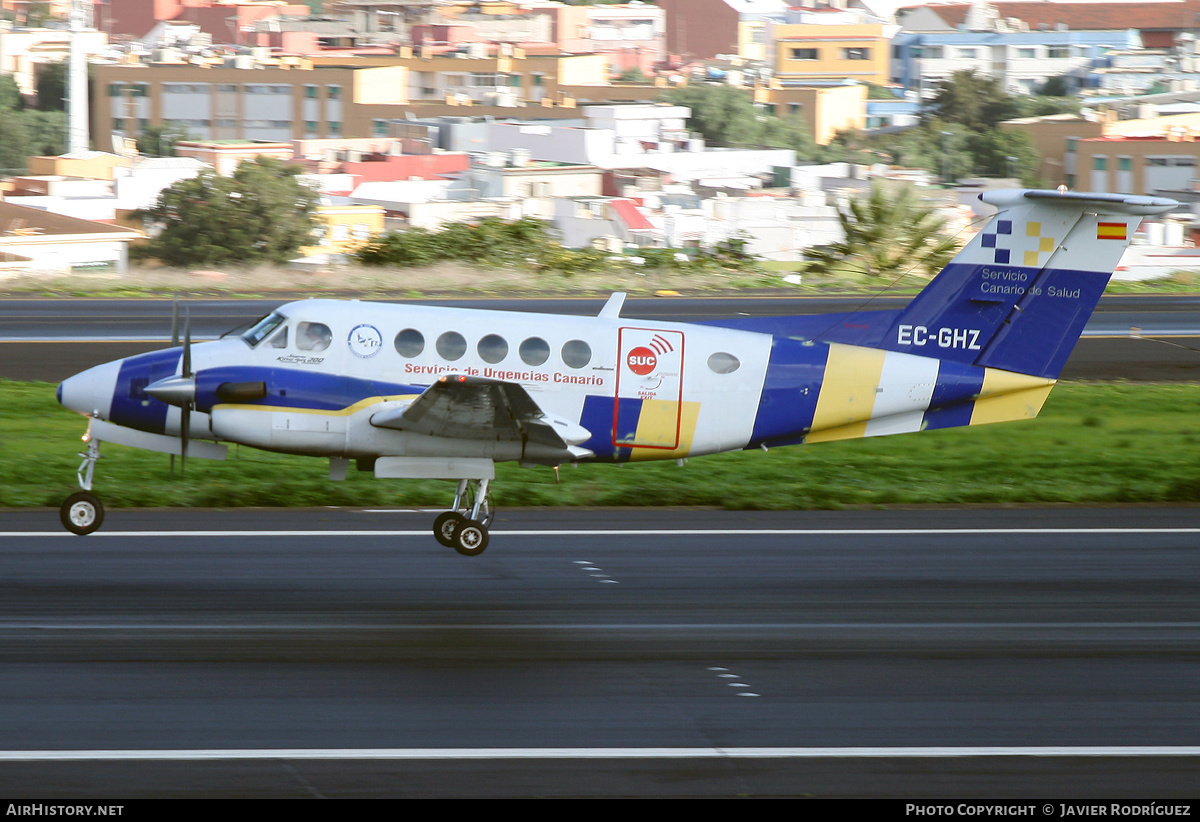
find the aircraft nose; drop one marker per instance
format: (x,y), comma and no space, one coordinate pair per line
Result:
(91,391)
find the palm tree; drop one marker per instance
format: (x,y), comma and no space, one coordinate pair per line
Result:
(889,233)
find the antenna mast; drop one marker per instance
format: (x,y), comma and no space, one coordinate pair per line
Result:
(77,81)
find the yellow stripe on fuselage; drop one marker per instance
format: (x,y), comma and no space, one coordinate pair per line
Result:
(848,393)
(657,424)
(1007,396)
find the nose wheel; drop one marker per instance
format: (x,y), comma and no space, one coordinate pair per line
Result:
(465,527)
(81,513)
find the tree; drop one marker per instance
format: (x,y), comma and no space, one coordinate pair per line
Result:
(724,115)
(159,141)
(261,213)
(50,80)
(889,233)
(973,100)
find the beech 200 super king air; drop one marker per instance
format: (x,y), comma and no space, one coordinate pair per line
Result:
(427,392)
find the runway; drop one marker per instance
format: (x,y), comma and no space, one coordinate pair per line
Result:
(948,653)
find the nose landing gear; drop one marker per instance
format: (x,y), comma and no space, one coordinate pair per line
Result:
(82,512)
(465,526)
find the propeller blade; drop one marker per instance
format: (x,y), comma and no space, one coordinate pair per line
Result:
(187,343)
(185,424)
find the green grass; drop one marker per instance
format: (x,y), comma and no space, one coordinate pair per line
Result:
(1093,443)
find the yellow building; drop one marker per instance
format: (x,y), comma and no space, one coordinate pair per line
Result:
(345,227)
(811,52)
(826,109)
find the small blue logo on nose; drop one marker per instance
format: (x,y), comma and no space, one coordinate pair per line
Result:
(58,393)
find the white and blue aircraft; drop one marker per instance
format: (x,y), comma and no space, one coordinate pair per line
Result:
(412,391)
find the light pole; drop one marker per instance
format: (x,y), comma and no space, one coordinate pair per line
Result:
(945,159)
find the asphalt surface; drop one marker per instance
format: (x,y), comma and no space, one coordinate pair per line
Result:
(988,653)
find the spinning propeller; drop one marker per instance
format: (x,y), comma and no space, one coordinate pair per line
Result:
(179,390)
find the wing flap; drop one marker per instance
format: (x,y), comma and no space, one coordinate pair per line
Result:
(464,407)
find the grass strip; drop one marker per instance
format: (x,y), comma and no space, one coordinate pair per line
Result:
(1093,443)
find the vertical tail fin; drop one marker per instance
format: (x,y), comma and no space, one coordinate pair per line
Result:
(1018,295)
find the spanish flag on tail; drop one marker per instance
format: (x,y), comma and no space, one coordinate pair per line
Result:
(1111,231)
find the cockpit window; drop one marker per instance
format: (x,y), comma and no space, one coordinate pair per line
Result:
(313,336)
(280,339)
(259,331)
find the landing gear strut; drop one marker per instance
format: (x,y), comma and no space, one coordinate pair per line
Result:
(82,512)
(465,526)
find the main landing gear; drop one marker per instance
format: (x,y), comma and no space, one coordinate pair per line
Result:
(82,512)
(465,526)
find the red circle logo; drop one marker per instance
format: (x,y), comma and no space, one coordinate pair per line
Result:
(641,360)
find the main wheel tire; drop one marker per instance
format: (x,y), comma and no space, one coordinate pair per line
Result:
(81,513)
(445,525)
(471,538)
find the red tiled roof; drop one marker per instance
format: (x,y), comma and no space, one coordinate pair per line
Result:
(628,214)
(1100,15)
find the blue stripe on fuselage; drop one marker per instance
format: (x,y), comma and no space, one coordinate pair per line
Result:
(790,390)
(131,406)
(293,388)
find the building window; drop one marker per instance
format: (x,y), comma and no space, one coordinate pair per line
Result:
(310,128)
(310,92)
(1124,164)
(379,128)
(335,129)
(968,54)
(1099,164)
(806,54)
(1058,52)
(856,53)
(115,89)
(333,92)
(1027,53)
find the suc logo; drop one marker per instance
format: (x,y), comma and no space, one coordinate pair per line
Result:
(641,360)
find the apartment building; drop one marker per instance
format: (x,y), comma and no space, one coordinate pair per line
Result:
(807,53)
(701,29)
(1135,164)
(329,97)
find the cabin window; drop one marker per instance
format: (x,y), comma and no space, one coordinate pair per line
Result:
(410,343)
(534,351)
(576,353)
(313,336)
(722,363)
(259,331)
(493,348)
(451,345)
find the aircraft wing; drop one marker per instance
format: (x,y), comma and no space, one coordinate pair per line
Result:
(477,408)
